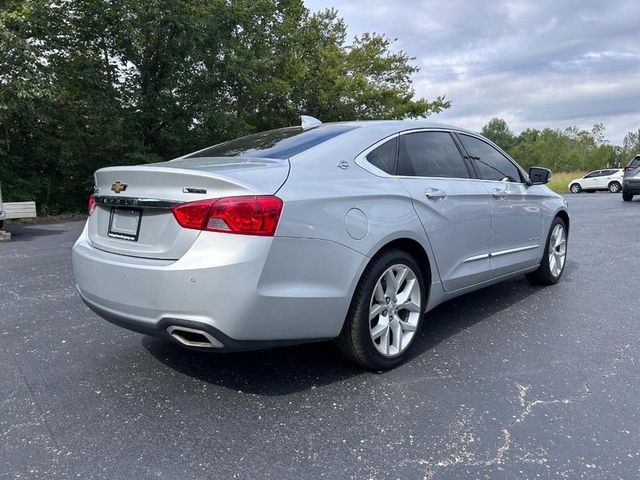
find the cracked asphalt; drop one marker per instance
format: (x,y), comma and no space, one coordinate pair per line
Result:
(513,381)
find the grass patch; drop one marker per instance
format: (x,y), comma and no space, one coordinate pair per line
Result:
(560,180)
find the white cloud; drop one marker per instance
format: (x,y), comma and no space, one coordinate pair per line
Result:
(535,64)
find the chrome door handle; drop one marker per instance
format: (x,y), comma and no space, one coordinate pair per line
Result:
(435,194)
(497,193)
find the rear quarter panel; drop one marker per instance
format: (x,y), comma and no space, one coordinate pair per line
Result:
(349,206)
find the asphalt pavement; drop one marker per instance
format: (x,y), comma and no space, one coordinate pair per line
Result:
(513,381)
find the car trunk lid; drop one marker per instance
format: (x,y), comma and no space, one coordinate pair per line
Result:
(133,204)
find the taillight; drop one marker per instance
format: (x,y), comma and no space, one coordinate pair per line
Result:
(92,205)
(253,215)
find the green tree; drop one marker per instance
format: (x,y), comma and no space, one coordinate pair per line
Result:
(630,147)
(499,133)
(90,83)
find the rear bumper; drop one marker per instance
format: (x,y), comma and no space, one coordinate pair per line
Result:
(246,292)
(631,186)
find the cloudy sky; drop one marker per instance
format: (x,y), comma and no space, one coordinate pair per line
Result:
(534,63)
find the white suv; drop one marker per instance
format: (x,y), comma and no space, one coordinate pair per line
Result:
(608,179)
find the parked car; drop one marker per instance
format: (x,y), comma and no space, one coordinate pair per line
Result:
(631,180)
(607,179)
(348,231)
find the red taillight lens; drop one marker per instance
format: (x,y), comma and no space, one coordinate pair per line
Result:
(254,215)
(92,205)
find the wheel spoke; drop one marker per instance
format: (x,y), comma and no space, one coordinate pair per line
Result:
(390,278)
(379,330)
(400,278)
(378,292)
(375,310)
(407,291)
(407,327)
(397,335)
(384,341)
(409,305)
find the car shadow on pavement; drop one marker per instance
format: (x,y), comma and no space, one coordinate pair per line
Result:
(27,232)
(283,371)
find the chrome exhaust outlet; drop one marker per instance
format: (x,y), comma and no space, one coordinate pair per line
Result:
(192,337)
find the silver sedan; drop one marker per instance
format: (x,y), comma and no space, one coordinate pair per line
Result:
(347,231)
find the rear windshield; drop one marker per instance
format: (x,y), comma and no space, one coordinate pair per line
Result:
(281,143)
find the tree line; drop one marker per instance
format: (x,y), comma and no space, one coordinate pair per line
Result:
(565,150)
(90,83)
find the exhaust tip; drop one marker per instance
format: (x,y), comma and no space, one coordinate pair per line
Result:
(192,337)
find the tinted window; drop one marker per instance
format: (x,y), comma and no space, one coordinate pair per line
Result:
(593,174)
(635,163)
(280,143)
(384,157)
(430,154)
(490,163)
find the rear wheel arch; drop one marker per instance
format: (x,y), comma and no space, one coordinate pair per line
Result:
(565,217)
(356,339)
(417,251)
(413,248)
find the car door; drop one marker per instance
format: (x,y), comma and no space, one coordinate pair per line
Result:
(517,239)
(590,180)
(600,181)
(453,207)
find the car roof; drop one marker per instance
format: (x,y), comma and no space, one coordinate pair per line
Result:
(399,124)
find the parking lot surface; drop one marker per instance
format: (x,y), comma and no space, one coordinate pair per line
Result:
(513,381)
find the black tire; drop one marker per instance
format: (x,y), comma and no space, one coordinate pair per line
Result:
(615,187)
(626,196)
(355,340)
(1,224)
(575,188)
(543,275)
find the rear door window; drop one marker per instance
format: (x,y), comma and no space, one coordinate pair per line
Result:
(430,154)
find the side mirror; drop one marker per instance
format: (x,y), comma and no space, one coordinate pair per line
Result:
(539,175)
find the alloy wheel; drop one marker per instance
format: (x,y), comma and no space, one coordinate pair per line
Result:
(557,250)
(395,310)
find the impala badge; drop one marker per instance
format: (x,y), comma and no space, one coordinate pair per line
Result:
(119,187)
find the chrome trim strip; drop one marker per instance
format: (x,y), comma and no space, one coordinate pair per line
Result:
(501,252)
(513,250)
(133,202)
(361,158)
(477,257)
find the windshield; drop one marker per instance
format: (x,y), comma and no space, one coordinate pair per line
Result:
(280,144)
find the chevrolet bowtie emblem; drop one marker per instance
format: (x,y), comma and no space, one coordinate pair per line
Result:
(119,187)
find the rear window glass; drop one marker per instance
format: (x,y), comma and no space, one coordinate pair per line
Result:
(281,143)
